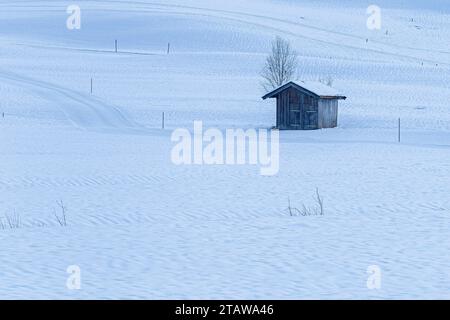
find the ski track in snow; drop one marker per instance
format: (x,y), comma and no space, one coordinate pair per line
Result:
(320,35)
(82,110)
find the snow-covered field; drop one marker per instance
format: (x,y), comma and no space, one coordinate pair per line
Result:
(139,226)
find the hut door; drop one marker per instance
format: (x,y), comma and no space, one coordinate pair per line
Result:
(295,117)
(295,111)
(310,114)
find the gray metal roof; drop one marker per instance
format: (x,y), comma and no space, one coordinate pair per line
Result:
(317,89)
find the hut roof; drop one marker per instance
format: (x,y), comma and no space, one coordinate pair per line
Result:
(317,89)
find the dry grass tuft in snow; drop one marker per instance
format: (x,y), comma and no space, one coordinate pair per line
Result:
(316,210)
(11,221)
(14,220)
(61,218)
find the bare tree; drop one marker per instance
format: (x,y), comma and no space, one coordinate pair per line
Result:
(281,65)
(327,81)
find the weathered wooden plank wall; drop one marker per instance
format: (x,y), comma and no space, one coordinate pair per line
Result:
(298,110)
(328,113)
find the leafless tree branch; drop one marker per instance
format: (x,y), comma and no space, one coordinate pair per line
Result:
(280,66)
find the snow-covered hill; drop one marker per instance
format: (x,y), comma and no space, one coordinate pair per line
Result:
(140,227)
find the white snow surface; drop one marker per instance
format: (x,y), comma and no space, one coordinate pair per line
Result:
(139,226)
(319,88)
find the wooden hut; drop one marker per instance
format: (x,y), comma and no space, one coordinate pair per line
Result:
(306,106)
